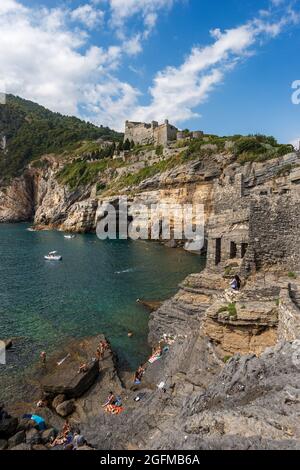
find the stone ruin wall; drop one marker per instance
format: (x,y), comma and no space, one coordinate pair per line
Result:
(251,213)
(274,232)
(140,133)
(229,222)
(288,318)
(143,133)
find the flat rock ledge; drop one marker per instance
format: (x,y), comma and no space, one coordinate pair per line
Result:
(63,378)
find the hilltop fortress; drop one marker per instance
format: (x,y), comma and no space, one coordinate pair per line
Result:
(142,133)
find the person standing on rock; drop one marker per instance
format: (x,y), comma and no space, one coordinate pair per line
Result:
(236,283)
(43,357)
(98,354)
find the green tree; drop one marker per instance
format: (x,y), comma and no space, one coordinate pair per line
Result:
(120,147)
(126,145)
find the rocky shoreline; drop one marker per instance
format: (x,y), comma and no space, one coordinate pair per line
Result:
(230,374)
(199,394)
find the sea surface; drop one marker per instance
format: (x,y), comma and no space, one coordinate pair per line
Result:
(92,290)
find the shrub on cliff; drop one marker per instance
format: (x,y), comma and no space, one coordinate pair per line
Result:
(259,148)
(248,145)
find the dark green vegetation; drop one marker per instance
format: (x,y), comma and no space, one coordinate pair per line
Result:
(82,173)
(230,309)
(251,148)
(32,130)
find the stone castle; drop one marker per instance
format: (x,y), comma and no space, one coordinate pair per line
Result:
(142,133)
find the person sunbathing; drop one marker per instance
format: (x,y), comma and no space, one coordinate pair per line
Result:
(111,400)
(157,351)
(66,428)
(82,368)
(139,374)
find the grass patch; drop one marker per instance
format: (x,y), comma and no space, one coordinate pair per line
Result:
(230,309)
(39,164)
(159,151)
(226,359)
(143,148)
(292,275)
(222,309)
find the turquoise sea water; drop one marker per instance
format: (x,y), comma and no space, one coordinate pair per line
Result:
(94,289)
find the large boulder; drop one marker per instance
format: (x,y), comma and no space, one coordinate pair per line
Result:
(3,444)
(22,446)
(33,437)
(66,408)
(49,435)
(17,439)
(62,378)
(39,447)
(8,427)
(58,400)
(26,424)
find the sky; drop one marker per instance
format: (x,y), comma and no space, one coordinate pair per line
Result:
(221,66)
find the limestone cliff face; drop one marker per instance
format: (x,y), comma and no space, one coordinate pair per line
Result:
(16,201)
(39,197)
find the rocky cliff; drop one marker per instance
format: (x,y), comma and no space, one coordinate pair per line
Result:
(230,370)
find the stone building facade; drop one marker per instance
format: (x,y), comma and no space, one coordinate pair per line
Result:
(143,134)
(251,210)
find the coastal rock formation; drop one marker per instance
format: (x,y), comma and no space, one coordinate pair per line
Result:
(64,380)
(16,201)
(229,374)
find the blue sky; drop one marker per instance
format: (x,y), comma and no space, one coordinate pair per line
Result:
(224,66)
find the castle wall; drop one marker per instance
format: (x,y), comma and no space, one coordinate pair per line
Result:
(144,134)
(228,226)
(140,133)
(251,210)
(271,217)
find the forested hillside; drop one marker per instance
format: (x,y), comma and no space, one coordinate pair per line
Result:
(31,130)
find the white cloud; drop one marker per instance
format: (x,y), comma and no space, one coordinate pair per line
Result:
(45,58)
(176,92)
(133,46)
(88,15)
(122,10)
(8,6)
(41,58)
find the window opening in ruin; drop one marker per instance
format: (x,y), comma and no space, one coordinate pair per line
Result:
(218,250)
(233,250)
(244,247)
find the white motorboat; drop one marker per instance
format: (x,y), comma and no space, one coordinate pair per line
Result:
(69,237)
(53,256)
